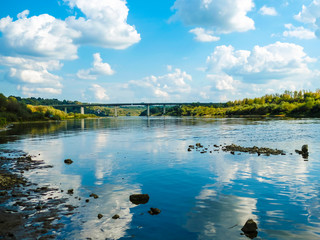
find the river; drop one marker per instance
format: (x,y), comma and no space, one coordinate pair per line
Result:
(201,195)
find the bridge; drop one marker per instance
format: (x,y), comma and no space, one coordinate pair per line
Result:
(115,105)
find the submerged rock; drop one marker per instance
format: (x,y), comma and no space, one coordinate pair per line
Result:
(100,216)
(70,191)
(154,211)
(304,148)
(68,161)
(116,216)
(94,195)
(139,198)
(250,229)
(304,151)
(199,145)
(263,150)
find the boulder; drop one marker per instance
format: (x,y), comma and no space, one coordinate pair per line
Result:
(94,195)
(70,191)
(154,211)
(116,216)
(100,216)
(250,229)
(139,198)
(68,161)
(304,148)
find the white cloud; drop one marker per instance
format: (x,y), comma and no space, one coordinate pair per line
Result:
(269,11)
(30,71)
(274,61)
(99,92)
(311,14)
(33,75)
(99,69)
(38,36)
(36,91)
(203,35)
(298,32)
(105,24)
(171,86)
(37,40)
(23,14)
(224,16)
(223,81)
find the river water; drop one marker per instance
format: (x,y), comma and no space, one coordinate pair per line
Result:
(201,196)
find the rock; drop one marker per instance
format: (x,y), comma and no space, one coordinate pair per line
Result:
(94,195)
(191,146)
(304,148)
(199,145)
(100,216)
(189,150)
(87,200)
(70,191)
(139,198)
(154,211)
(250,229)
(116,216)
(304,151)
(68,161)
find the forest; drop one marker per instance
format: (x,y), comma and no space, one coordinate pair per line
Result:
(13,110)
(288,104)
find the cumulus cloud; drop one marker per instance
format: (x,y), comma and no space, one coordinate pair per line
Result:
(311,14)
(105,24)
(99,92)
(223,81)
(33,76)
(171,86)
(99,69)
(38,36)
(264,69)
(40,40)
(224,16)
(274,61)
(298,32)
(203,35)
(36,91)
(269,11)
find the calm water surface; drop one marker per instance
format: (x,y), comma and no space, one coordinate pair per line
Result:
(201,196)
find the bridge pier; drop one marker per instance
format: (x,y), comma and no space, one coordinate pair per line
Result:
(65,110)
(82,110)
(164,109)
(115,112)
(148,110)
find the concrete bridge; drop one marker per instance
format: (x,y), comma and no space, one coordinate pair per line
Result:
(116,105)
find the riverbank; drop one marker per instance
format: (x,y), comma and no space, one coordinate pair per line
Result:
(27,209)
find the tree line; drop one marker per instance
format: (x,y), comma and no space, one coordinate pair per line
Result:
(290,103)
(16,109)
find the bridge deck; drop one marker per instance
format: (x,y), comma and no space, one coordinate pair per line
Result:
(123,104)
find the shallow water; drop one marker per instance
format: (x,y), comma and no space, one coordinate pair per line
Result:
(201,196)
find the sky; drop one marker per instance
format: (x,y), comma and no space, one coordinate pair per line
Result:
(115,51)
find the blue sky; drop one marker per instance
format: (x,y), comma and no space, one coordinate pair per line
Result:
(169,50)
